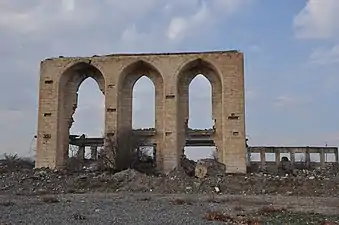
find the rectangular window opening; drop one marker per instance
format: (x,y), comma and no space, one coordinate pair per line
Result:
(111,110)
(47,136)
(170,96)
(233,116)
(48,81)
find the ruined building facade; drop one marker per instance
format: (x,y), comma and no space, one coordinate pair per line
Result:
(171,74)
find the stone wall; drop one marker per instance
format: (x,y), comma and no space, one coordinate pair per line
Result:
(171,74)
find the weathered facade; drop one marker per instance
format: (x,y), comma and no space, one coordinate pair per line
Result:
(171,74)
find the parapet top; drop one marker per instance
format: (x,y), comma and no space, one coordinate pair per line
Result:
(147,54)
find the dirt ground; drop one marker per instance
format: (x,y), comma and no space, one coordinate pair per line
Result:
(150,208)
(43,196)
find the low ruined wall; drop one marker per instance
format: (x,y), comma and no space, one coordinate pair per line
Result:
(304,154)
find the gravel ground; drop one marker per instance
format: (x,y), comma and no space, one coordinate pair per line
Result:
(128,208)
(319,183)
(43,196)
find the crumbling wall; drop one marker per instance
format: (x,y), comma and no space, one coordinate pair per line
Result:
(292,151)
(116,74)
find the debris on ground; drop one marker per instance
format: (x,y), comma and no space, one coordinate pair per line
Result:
(188,165)
(209,168)
(320,181)
(286,167)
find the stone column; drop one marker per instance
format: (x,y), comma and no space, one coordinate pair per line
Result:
(277,157)
(307,158)
(233,113)
(94,152)
(322,157)
(292,156)
(81,153)
(47,135)
(262,158)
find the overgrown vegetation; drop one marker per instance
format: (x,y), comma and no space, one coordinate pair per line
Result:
(12,163)
(119,153)
(123,152)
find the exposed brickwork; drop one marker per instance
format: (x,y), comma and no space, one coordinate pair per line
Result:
(171,74)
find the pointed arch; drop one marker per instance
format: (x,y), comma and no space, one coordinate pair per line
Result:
(132,72)
(127,79)
(191,69)
(68,86)
(200,92)
(143,104)
(185,74)
(78,72)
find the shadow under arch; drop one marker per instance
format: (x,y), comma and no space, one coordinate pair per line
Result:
(184,77)
(127,79)
(68,86)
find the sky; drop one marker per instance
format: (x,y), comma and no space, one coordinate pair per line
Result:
(291,53)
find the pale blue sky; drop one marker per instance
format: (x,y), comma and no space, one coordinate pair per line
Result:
(291,59)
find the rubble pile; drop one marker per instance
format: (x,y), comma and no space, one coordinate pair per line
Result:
(286,167)
(209,168)
(204,176)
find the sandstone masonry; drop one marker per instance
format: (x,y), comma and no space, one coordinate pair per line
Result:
(171,74)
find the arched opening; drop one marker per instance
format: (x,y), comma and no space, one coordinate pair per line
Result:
(143,110)
(89,115)
(140,105)
(85,112)
(199,110)
(143,105)
(200,116)
(200,103)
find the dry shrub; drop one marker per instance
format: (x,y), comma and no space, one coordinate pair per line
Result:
(49,199)
(121,151)
(74,164)
(12,163)
(252,168)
